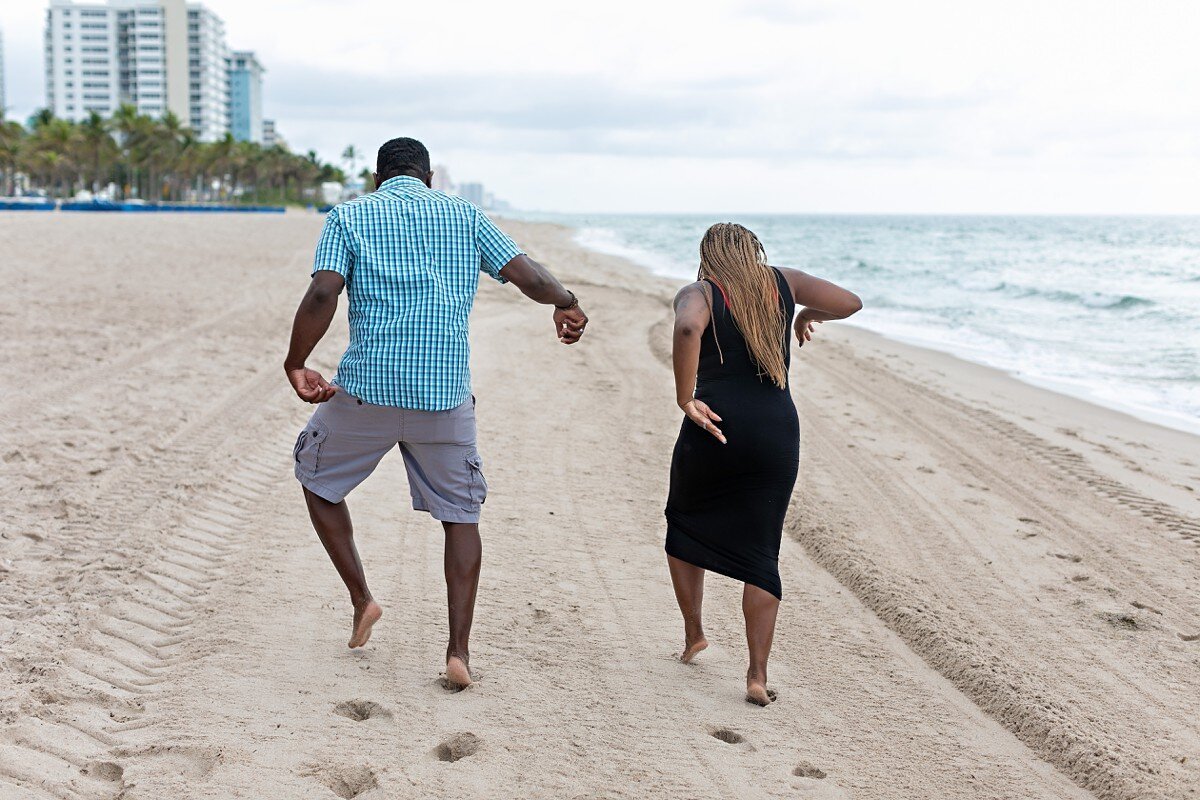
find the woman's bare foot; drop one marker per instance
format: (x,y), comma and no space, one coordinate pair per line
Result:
(365,617)
(458,677)
(692,649)
(758,693)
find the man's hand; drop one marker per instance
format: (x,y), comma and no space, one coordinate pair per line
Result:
(309,385)
(804,330)
(569,324)
(699,413)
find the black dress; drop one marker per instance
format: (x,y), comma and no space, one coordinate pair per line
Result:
(727,502)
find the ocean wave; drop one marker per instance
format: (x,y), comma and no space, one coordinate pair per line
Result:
(1095,300)
(606,240)
(969,285)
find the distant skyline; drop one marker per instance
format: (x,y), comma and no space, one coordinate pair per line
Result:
(739,106)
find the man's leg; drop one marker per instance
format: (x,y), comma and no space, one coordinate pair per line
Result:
(760,608)
(688,580)
(333,526)
(445,476)
(464,552)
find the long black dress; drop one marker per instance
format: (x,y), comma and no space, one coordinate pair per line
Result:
(727,502)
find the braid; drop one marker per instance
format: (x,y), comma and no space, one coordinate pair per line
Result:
(732,257)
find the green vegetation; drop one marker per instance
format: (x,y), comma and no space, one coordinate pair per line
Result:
(151,159)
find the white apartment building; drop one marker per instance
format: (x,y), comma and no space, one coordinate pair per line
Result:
(208,71)
(271,135)
(156,55)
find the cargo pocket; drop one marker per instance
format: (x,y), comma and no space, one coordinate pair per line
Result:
(308,449)
(478,488)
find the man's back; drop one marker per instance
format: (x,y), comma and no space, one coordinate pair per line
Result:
(411,259)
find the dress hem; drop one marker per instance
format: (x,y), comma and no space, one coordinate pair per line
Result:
(675,530)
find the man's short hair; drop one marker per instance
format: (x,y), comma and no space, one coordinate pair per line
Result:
(402,155)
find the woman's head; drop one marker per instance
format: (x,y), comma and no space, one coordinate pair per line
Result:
(733,258)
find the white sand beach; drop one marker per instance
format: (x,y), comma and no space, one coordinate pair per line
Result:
(990,590)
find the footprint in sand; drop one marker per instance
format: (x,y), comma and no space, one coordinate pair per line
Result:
(360,710)
(806,769)
(1190,637)
(343,780)
(105,770)
(1074,559)
(457,747)
(726,735)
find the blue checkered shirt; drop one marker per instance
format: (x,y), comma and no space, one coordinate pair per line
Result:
(411,258)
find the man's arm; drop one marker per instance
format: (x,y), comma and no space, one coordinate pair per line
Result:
(536,283)
(312,321)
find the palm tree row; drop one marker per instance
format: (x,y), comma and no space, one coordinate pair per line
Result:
(152,159)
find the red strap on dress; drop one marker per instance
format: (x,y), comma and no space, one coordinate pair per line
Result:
(725,297)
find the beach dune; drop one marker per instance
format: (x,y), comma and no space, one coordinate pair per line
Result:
(989,589)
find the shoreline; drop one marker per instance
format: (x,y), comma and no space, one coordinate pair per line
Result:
(644,260)
(1159,418)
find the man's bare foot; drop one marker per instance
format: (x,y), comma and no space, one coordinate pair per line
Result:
(758,693)
(692,649)
(365,617)
(458,677)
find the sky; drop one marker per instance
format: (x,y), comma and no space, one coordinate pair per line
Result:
(856,106)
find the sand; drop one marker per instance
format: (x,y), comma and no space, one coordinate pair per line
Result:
(990,589)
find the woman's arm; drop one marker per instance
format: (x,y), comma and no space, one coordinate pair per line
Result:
(692,316)
(820,301)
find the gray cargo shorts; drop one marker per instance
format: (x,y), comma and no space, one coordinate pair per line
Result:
(346,438)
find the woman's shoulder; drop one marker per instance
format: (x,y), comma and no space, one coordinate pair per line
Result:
(692,289)
(793,278)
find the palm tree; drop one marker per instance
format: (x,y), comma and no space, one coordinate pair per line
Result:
(49,155)
(97,147)
(125,122)
(12,137)
(351,155)
(168,138)
(156,159)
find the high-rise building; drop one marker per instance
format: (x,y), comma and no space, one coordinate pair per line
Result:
(441,179)
(472,192)
(271,136)
(156,55)
(245,97)
(208,59)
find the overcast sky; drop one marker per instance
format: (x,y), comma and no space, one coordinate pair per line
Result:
(744,105)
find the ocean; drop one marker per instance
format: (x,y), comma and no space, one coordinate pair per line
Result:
(1104,308)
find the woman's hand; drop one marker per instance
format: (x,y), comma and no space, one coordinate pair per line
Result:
(699,413)
(804,329)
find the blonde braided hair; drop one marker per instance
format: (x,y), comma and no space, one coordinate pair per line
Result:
(732,257)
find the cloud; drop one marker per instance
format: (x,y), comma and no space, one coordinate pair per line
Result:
(789,12)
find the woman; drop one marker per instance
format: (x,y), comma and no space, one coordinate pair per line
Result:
(738,451)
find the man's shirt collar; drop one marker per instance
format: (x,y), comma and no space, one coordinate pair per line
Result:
(403,182)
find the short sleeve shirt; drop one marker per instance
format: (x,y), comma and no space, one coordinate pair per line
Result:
(411,259)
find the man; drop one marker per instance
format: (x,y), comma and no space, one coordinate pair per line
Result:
(409,258)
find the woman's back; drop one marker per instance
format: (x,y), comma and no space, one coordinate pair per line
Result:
(724,353)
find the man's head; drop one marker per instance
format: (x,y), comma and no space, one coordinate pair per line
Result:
(402,156)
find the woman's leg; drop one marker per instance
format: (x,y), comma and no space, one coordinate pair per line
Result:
(688,580)
(760,608)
